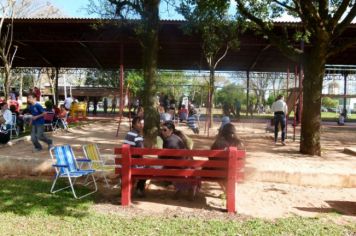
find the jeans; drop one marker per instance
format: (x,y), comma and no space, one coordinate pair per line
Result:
(37,134)
(279,118)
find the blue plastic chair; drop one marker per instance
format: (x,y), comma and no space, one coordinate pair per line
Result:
(66,167)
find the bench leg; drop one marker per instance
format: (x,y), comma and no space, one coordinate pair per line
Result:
(126,188)
(230,196)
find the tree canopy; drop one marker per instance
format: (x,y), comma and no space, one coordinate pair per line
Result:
(315,39)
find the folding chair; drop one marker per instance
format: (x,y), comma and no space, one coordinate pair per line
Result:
(14,126)
(98,163)
(49,117)
(63,122)
(66,167)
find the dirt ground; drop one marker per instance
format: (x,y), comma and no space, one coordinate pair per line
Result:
(254,198)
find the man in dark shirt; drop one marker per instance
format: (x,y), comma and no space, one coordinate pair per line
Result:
(134,138)
(37,132)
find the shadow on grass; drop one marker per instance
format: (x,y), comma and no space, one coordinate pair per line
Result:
(26,197)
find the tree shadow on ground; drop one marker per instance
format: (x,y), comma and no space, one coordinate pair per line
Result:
(26,197)
(163,196)
(342,207)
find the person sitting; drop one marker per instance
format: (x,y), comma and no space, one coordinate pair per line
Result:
(226,138)
(19,118)
(183,113)
(62,117)
(164,115)
(341,120)
(7,115)
(5,123)
(224,120)
(175,139)
(134,138)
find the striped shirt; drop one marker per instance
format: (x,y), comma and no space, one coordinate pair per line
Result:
(134,139)
(191,121)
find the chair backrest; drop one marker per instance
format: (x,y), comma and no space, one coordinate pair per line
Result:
(91,151)
(64,156)
(49,116)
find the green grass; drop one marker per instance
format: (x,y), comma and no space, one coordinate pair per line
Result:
(27,208)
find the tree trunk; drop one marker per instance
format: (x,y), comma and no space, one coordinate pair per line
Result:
(150,48)
(314,67)
(21,87)
(7,82)
(211,96)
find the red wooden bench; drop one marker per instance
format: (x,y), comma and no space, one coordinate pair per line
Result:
(228,167)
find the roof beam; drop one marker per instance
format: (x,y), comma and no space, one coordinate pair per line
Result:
(254,62)
(36,52)
(92,55)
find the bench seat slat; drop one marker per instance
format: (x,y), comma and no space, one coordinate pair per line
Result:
(174,162)
(179,172)
(239,175)
(180,152)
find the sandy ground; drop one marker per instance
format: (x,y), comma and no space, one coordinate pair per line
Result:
(254,198)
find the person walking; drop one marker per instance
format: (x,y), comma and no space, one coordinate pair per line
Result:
(280,109)
(37,132)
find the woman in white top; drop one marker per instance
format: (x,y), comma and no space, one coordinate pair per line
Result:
(6,114)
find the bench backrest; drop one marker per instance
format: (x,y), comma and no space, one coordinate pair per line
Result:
(212,164)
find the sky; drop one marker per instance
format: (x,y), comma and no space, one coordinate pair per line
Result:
(72,8)
(76,8)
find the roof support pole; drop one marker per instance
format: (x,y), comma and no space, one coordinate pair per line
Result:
(247,92)
(345,74)
(295,101)
(287,116)
(55,97)
(301,77)
(121,85)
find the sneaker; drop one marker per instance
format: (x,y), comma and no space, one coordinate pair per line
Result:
(37,150)
(283,143)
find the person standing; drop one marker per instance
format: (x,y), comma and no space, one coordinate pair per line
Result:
(113,104)
(238,109)
(105,105)
(68,102)
(37,132)
(280,109)
(134,138)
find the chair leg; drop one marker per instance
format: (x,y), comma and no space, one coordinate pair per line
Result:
(73,190)
(54,183)
(106,181)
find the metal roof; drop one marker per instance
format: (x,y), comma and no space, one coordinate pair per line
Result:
(84,43)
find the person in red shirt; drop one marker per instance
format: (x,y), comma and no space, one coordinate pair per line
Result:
(37,92)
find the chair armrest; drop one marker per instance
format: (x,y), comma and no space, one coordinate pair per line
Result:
(59,165)
(83,160)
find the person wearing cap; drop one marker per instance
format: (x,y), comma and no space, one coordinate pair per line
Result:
(280,109)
